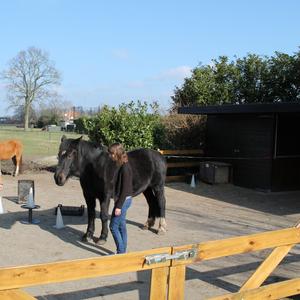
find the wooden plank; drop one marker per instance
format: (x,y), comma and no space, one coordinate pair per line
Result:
(243,244)
(15,295)
(183,164)
(176,283)
(266,268)
(177,178)
(249,243)
(158,284)
(268,292)
(16,277)
(182,152)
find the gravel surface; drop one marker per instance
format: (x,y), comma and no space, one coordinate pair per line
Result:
(194,215)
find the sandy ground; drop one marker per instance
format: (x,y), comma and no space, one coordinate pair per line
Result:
(193,215)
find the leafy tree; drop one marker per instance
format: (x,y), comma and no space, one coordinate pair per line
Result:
(284,80)
(130,124)
(251,79)
(208,85)
(30,77)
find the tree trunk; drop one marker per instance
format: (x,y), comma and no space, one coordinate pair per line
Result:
(26,115)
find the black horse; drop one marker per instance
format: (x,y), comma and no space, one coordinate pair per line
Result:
(98,172)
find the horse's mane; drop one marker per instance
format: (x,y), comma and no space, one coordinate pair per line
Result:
(99,145)
(92,148)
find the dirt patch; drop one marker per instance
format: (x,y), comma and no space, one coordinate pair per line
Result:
(31,165)
(194,215)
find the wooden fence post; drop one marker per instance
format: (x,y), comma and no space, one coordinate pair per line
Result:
(176,282)
(158,284)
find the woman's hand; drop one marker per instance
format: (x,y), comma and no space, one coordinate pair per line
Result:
(118,211)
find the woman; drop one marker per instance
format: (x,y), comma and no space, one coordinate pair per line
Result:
(123,199)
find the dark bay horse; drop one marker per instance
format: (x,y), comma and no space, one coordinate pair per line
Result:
(12,149)
(97,173)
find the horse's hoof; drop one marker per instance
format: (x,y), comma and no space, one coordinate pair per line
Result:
(85,238)
(161,231)
(101,242)
(144,227)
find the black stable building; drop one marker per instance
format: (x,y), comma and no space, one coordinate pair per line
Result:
(260,141)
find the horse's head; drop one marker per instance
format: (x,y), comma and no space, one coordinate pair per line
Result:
(67,160)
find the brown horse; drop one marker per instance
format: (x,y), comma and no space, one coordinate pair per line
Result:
(12,149)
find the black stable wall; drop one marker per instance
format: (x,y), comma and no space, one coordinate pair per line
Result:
(263,149)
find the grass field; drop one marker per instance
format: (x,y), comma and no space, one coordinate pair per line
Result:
(35,141)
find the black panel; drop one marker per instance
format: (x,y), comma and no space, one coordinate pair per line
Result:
(253,173)
(219,137)
(254,136)
(286,174)
(247,136)
(288,133)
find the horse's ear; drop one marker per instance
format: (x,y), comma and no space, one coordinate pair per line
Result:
(63,138)
(76,141)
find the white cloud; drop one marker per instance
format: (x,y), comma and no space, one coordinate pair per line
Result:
(180,72)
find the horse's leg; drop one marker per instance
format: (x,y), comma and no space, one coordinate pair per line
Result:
(19,164)
(148,193)
(91,207)
(104,205)
(16,160)
(161,212)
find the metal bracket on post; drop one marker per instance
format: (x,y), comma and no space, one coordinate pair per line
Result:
(163,257)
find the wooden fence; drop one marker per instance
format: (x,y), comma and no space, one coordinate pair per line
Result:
(168,267)
(187,158)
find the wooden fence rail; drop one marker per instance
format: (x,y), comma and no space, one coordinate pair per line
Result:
(187,155)
(168,275)
(182,152)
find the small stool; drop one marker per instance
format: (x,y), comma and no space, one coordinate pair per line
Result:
(30,219)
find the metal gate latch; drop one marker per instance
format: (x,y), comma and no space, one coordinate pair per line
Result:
(163,257)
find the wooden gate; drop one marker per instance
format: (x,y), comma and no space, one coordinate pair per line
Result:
(168,267)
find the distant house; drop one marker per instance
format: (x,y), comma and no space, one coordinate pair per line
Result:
(260,141)
(73,113)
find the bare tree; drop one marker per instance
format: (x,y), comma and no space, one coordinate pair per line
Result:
(30,78)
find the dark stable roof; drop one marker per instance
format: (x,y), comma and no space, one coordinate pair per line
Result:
(241,109)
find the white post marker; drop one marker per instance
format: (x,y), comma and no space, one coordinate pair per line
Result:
(30,200)
(1,206)
(193,184)
(59,220)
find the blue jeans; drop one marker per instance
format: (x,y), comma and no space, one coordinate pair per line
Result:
(118,226)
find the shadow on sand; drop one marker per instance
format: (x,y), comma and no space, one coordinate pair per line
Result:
(280,203)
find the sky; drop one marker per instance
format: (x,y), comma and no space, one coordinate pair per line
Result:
(110,52)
